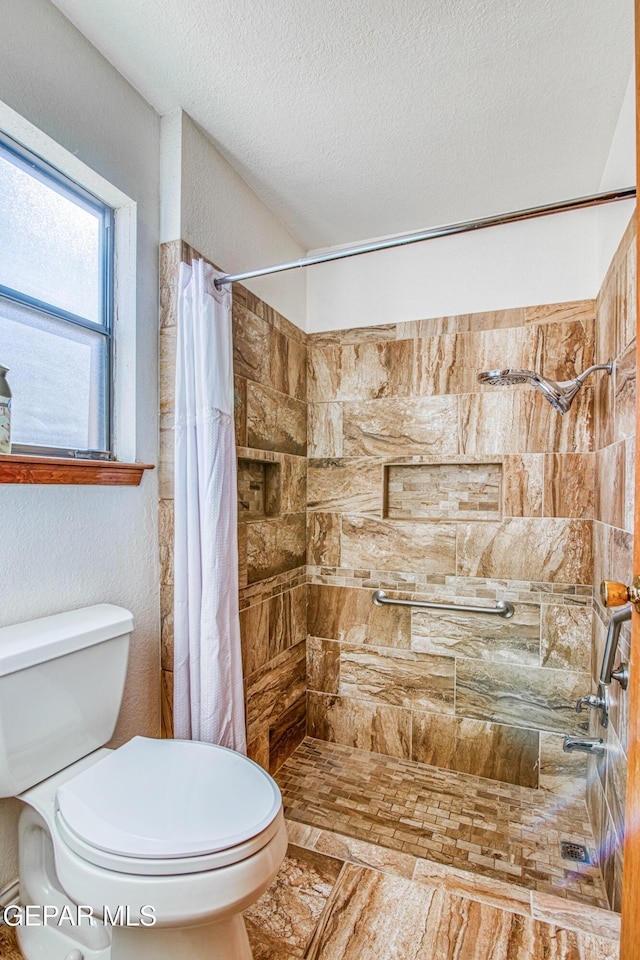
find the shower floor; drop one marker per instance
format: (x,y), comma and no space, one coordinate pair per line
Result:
(500,831)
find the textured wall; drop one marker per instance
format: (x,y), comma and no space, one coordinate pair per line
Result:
(428,485)
(271,428)
(615,418)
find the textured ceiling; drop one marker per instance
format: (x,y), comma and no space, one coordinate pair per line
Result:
(361,118)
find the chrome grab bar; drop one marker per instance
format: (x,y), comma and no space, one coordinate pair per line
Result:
(607,673)
(503,608)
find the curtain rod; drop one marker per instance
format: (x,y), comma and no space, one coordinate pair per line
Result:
(464,227)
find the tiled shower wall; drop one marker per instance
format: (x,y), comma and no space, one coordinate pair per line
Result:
(428,485)
(613,541)
(271,427)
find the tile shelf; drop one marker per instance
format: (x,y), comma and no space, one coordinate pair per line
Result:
(18,468)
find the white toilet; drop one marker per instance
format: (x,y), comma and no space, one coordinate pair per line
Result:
(186,833)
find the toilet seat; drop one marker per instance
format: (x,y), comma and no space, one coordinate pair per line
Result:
(168,807)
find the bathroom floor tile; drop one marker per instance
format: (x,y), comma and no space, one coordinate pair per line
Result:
(480,826)
(8,944)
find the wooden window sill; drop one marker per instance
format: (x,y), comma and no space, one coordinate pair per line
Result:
(17,468)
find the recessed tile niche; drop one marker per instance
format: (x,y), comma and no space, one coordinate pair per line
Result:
(258,489)
(443,491)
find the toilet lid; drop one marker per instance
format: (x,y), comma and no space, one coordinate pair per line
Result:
(169,798)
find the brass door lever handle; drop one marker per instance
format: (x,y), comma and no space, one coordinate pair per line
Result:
(615,594)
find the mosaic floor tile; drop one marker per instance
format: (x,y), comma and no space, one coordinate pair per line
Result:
(504,832)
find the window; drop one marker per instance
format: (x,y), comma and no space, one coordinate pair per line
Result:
(56,267)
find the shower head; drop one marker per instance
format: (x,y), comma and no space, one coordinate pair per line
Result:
(560,395)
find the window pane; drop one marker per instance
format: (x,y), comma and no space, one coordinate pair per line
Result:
(49,245)
(57,375)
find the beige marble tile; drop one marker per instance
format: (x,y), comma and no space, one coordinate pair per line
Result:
(323,539)
(559,312)
(167,373)
(398,545)
(352,485)
(170,256)
(483,749)
(629,482)
(275,545)
(275,421)
(166,459)
(575,916)
(569,485)
(274,688)
(611,485)
(366,854)
(165,535)
(443,491)
(379,728)
(526,549)
(270,627)
(522,485)
(519,420)
(240,410)
(323,665)
(535,698)
(286,732)
(258,747)
(462,883)
(451,633)
(566,348)
(616,784)
(563,774)
(399,677)
(251,345)
(343,613)
(301,835)
(294,484)
(324,429)
(425,425)
(9,949)
(362,371)
(166,706)
(625,393)
(166,626)
(383,331)
(565,637)
(286,916)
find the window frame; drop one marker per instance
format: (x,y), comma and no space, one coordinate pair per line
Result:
(54,178)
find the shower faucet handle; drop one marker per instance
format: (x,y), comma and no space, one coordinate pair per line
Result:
(615,594)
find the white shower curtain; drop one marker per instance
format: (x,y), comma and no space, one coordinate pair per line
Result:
(208,695)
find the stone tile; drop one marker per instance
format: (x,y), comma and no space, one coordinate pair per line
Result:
(625,393)
(398,677)
(165,535)
(251,345)
(294,484)
(9,949)
(575,916)
(383,331)
(398,545)
(525,549)
(242,555)
(275,545)
(275,421)
(166,459)
(629,481)
(343,613)
(166,626)
(425,425)
(611,485)
(167,372)
(379,728)
(538,698)
(461,883)
(566,348)
(519,420)
(362,371)
(302,835)
(516,640)
(483,749)
(170,256)
(443,491)
(616,785)
(324,428)
(286,916)
(274,688)
(240,410)
(559,312)
(323,665)
(352,485)
(287,732)
(166,706)
(366,854)
(522,479)
(565,636)
(569,485)
(258,748)
(323,539)
(563,774)
(270,627)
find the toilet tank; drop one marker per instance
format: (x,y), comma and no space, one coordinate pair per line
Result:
(61,685)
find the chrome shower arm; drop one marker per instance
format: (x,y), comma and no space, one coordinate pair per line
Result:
(608,366)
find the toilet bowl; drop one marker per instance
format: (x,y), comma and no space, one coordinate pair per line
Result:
(165,841)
